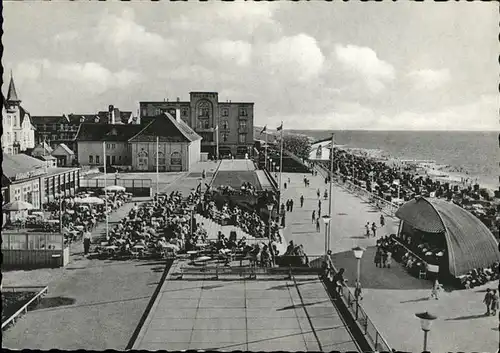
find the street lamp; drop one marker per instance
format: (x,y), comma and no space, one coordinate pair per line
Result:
(327,220)
(274,166)
(358,254)
(425,322)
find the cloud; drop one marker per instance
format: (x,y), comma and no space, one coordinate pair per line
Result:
(90,76)
(364,62)
(68,36)
(228,18)
(427,79)
(127,36)
(293,57)
(227,50)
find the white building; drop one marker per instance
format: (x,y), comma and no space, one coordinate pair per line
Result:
(18,130)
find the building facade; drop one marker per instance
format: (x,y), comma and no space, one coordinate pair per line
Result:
(18,131)
(226,128)
(28,179)
(135,146)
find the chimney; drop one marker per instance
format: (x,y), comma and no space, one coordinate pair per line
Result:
(116,116)
(110,116)
(178,99)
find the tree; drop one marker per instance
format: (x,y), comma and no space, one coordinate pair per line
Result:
(299,145)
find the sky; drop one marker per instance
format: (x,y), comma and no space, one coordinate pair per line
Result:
(312,65)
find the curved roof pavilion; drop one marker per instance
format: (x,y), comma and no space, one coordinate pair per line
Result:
(470,244)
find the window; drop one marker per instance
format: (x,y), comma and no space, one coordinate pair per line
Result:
(108,146)
(113,159)
(243,124)
(119,158)
(54,127)
(204,109)
(225,135)
(15,136)
(96,159)
(8,137)
(61,126)
(144,112)
(184,112)
(242,138)
(176,158)
(243,111)
(225,125)
(161,159)
(142,160)
(113,145)
(225,112)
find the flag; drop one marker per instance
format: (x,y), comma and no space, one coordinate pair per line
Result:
(279,128)
(264,129)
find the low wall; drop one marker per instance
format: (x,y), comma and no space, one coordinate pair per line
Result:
(29,259)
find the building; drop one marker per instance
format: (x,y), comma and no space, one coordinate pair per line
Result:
(64,156)
(28,179)
(18,130)
(177,145)
(134,146)
(64,128)
(223,126)
(42,149)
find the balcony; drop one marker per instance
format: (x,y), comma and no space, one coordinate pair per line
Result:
(204,129)
(208,143)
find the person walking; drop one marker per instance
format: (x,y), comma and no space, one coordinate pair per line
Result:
(487,301)
(284,185)
(358,293)
(291,205)
(318,228)
(367,227)
(378,258)
(382,220)
(494,302)
(87,237)
(436,288)
(301,200)
(313,216)
(384,258)
(325,194)
(319,204)
(318,193)
(287,203)
(389,259)
(374,229)
(288,181)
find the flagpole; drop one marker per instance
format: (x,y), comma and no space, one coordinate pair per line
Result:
(265,153)
(157,168)
(281,162)
(217,141)
(105,191)
(331,196)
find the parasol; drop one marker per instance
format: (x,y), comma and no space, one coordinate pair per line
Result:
(90,200)
(114,188)
(18,206)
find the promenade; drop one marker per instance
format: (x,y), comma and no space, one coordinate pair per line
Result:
(391,296)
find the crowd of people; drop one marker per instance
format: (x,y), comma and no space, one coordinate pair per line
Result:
(393,183)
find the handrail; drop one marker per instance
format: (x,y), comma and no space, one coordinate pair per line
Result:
(379,342)
(25,306)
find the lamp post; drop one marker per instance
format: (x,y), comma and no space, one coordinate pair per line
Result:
(327,220)
(358,254)
(270,207)
(425,323)
(274,166)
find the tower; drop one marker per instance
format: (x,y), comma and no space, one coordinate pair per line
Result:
(12,100)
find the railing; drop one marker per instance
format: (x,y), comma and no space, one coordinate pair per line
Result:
(368,327)
(24,308)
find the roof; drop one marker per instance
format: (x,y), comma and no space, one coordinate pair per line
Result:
(124,116)
(12,94)
(87,118)
(106,132)
(24,115)
(51,119)
(62,149)
(43,146)
(469,242)
(19,163)
(167,129)
(46,157)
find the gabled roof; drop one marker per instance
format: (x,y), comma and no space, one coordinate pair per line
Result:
(19,163)
(167,129)
(62,149)
(41,146)
(12,94)
(106,132)
(470,244)
(46,158)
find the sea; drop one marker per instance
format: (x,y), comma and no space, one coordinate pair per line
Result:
(478,153)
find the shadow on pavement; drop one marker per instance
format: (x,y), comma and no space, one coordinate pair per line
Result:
(424,299)
(54,302)
(467,317)
(302,305)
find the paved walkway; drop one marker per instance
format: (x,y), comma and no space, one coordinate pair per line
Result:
(236,165)
(244,315)
(263,180)
(391,297)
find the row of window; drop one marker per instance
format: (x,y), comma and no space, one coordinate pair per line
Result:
(17,138)
(203,111)
(113,159)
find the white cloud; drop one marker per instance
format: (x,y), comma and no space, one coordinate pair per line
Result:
(128,37)
(68,36)
(364,62)
(296,57)
(228,50)
(90,76)
(427,79)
